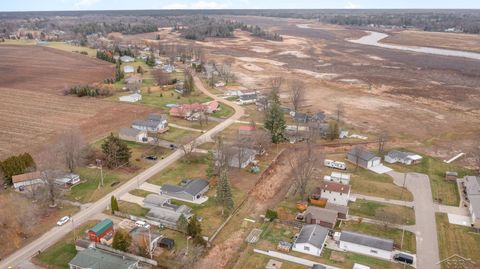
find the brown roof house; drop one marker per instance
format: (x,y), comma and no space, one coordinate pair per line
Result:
(27,180)
(324,217)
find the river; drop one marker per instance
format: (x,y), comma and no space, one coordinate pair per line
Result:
(374,37)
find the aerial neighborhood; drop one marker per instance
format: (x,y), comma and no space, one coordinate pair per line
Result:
(211,139)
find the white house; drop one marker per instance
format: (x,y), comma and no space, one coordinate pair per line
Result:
(132,98)
(154,123)
(407,158)
(27,180)
(366,245)
(68,180)
(311,239)
(246,99)
(343,178)
(134,135)
(127,59)
(334,192)
(128,69)
(472,189)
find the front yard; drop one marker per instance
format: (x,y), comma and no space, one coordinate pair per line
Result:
(383,212)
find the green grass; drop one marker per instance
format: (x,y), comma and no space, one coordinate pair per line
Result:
(278,232)
(443,191)
(456,239)
(409,242)
(176,135)
(58,255)
(394,213)
(161,99)
(224,112)
(132,209)
(180,170)
(140,192)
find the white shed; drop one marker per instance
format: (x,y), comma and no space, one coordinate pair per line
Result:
(132,98)
(366,245)
(128,69)
(311,239)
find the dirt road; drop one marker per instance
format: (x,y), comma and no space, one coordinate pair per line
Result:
(56,233)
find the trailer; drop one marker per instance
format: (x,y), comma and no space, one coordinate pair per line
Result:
(335,164)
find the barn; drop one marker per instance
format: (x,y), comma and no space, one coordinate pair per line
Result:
(101,230)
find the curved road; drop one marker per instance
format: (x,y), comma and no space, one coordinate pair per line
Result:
(57,233)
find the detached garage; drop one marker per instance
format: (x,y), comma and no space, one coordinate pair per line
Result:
(366,245)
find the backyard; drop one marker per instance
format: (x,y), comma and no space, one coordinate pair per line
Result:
(383,212)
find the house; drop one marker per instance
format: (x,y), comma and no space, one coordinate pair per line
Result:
(212,106)
(141,235)
(150,125)
(343,178)
(131,98)
(180,88)
(94,258)
(342,211)
(134,135)
(163,211)
(472,189)
(161,119)
(27,180)
(128,69)
(167,68)
(103,229)
(300,117)
(311,239)
(189,190)
(246,99)
(68,180)
(134,83)
(407,158)
(126,59)
(334,192)
(187,111)
(363,157)
(366,245)
(324,217)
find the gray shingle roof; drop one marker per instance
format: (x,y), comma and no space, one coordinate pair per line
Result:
(192,187)
(322,214)
(472,186)
(313,234)
(246,97)
(146,123)
(367,240)
(99,259)
(362,153)
(156,199)
(129,132)
(156,117)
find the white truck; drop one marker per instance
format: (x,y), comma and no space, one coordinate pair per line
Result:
(335,164)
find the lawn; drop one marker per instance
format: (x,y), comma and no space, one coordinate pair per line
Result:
(181,169)
(161,99)
(178,135)
(409,242)
(374,210)
(224,112)
(140,192)
(443,191)
(132,209)
(456,239)
(58,255)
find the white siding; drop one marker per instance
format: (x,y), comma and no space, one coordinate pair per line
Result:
(307,249)
(336,197)
(365,250)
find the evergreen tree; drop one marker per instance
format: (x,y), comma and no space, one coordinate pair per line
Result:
(195,231)
(121,240)
(333,130)
(182,224)
(114,204)
(188,84)
(119,72)
(224,193)
(275,122)
(16,165)
(116,151)
(210,171)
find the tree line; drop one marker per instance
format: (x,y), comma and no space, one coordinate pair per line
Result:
(81,91)
(85,29)
(16,165)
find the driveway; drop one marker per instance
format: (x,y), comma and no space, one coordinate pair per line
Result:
(425,224)
(57,233)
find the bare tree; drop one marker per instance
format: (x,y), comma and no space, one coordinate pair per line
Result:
(189,257)
(203,119)
(223,155)
(304,160)
(262,140)
(339,111)
(161,77)
(72,144)
(382,140)
(297,89)
(225,71)
(276,82)
(188,145)
(51,168)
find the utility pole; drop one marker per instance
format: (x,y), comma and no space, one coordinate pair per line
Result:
(74,235)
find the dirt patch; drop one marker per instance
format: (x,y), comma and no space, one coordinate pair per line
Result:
(295,53)
(260,60)
(252,67)
(260,49)
(326,76)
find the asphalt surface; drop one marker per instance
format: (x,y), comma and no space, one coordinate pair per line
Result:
(88,212)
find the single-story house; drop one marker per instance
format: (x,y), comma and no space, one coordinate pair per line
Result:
(343,178)
(68,180)
(311,239)
(131,98)
(94,258)
(163,211)
(472,189)
(334,192)
(101,230)
(363,157)
(128,69)
(140,235)
(127,59)
(241,157)
(149,125)
(407,158)
(134,135)
(342,211)
(188,190)
(27,179)
(187,110)
(366,245)
(246,99)
(324,217)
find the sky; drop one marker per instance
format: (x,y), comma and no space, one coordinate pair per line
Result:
(43,5)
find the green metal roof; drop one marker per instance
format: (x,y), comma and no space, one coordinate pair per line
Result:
(99,259)
(101,227)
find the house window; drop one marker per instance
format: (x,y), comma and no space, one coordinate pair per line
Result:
(373,251)
(306,248)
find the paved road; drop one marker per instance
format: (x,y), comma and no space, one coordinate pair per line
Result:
(425,224)
(86,213)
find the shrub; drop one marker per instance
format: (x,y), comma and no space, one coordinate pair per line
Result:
(271,214)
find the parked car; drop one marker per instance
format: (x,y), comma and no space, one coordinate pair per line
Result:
(152,158)
(63,220)
(404,258)
(143,224)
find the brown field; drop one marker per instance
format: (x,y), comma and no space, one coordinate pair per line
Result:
(438,40)
(34,110)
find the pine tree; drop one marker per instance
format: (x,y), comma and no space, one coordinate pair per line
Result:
(275,122)
(210,171)
(224,193)
(333,130)
(121,240)
(182,224)
(114,204)
(116,151)
(194,230)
